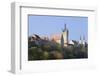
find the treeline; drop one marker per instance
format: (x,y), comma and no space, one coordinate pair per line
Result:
(48,50)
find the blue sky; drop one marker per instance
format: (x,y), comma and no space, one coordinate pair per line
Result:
(48,25)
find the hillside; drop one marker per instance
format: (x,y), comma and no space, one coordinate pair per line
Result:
(44,49)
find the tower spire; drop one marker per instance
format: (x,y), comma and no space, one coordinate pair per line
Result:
(65,26)
(83,37)
(80,40)
(80,37)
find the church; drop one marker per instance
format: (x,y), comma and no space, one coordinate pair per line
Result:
(63,38)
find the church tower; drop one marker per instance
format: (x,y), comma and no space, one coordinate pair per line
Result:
(65,34)
(82,40)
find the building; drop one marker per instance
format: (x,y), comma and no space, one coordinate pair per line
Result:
(82,40)
(56,38)
(61,38)
(65,36)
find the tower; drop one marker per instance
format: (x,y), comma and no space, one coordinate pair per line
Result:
(62,41)
(65,35)
(84,40)
(80,41)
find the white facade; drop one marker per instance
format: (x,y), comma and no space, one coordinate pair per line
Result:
(65,35)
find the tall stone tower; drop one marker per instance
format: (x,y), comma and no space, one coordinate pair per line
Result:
(65,34)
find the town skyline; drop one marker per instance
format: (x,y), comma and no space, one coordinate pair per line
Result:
(49,25)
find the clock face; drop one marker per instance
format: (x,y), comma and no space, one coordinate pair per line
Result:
(53,37)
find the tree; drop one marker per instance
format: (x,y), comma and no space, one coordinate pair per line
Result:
(45,55)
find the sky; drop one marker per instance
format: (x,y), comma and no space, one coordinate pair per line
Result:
(48,25)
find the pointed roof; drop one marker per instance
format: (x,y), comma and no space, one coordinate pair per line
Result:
(80,37)
(83,37)
(64,28)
